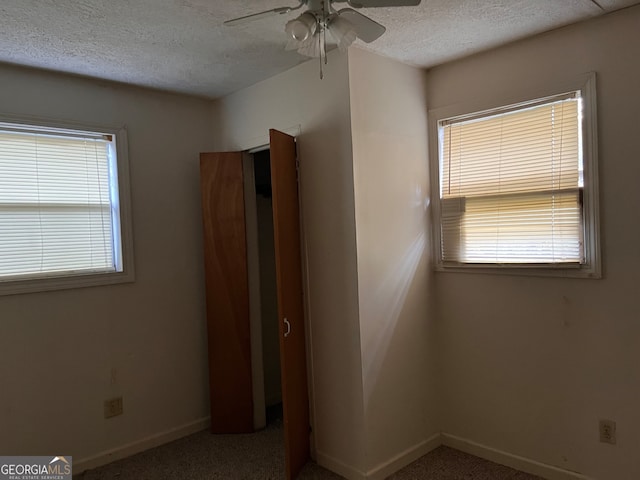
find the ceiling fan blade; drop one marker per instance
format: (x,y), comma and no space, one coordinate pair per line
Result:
(383,3)
(366,29)
(257,16)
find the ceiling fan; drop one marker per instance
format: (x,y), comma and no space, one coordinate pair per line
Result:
(307,32)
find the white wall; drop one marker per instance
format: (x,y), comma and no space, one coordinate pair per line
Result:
(364,174)
(397,327)
(317,112)
(531,364)
(65,352)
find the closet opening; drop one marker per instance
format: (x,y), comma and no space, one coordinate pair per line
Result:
(268,396)
(250,373)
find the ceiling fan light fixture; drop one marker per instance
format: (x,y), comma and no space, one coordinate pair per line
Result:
(342,31)
(310,47)
(302,28)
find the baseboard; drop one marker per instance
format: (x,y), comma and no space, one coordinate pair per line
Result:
(338,467)
(378,473)
(510,460)
(141,445)
(386,468)
(403,459)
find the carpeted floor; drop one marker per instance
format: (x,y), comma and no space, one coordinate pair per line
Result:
(261,456)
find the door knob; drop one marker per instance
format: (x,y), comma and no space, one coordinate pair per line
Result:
(288,325)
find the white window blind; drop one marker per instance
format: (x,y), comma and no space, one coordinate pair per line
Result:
(58,203)
(511,185)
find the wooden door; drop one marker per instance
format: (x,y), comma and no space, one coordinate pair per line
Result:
(227,292)
(228,296)
(286,222)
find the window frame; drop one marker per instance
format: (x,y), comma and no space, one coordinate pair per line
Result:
(592,268)
(80,280)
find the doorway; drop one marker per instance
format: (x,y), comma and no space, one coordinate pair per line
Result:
(232,293)
(266,355)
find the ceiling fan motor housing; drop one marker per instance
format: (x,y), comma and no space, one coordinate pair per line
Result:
(316,5)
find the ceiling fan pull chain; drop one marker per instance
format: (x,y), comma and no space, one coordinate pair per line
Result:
(324,43)
(325,15)
(320,56)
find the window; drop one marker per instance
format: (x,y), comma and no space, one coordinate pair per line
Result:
(61,215)
(518,188)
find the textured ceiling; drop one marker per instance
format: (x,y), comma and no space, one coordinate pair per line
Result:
(182,46)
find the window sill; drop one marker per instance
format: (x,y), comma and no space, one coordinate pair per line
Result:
(533,271)
(16,287)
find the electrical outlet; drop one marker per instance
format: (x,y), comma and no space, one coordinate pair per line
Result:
(113,407)
(608,431)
